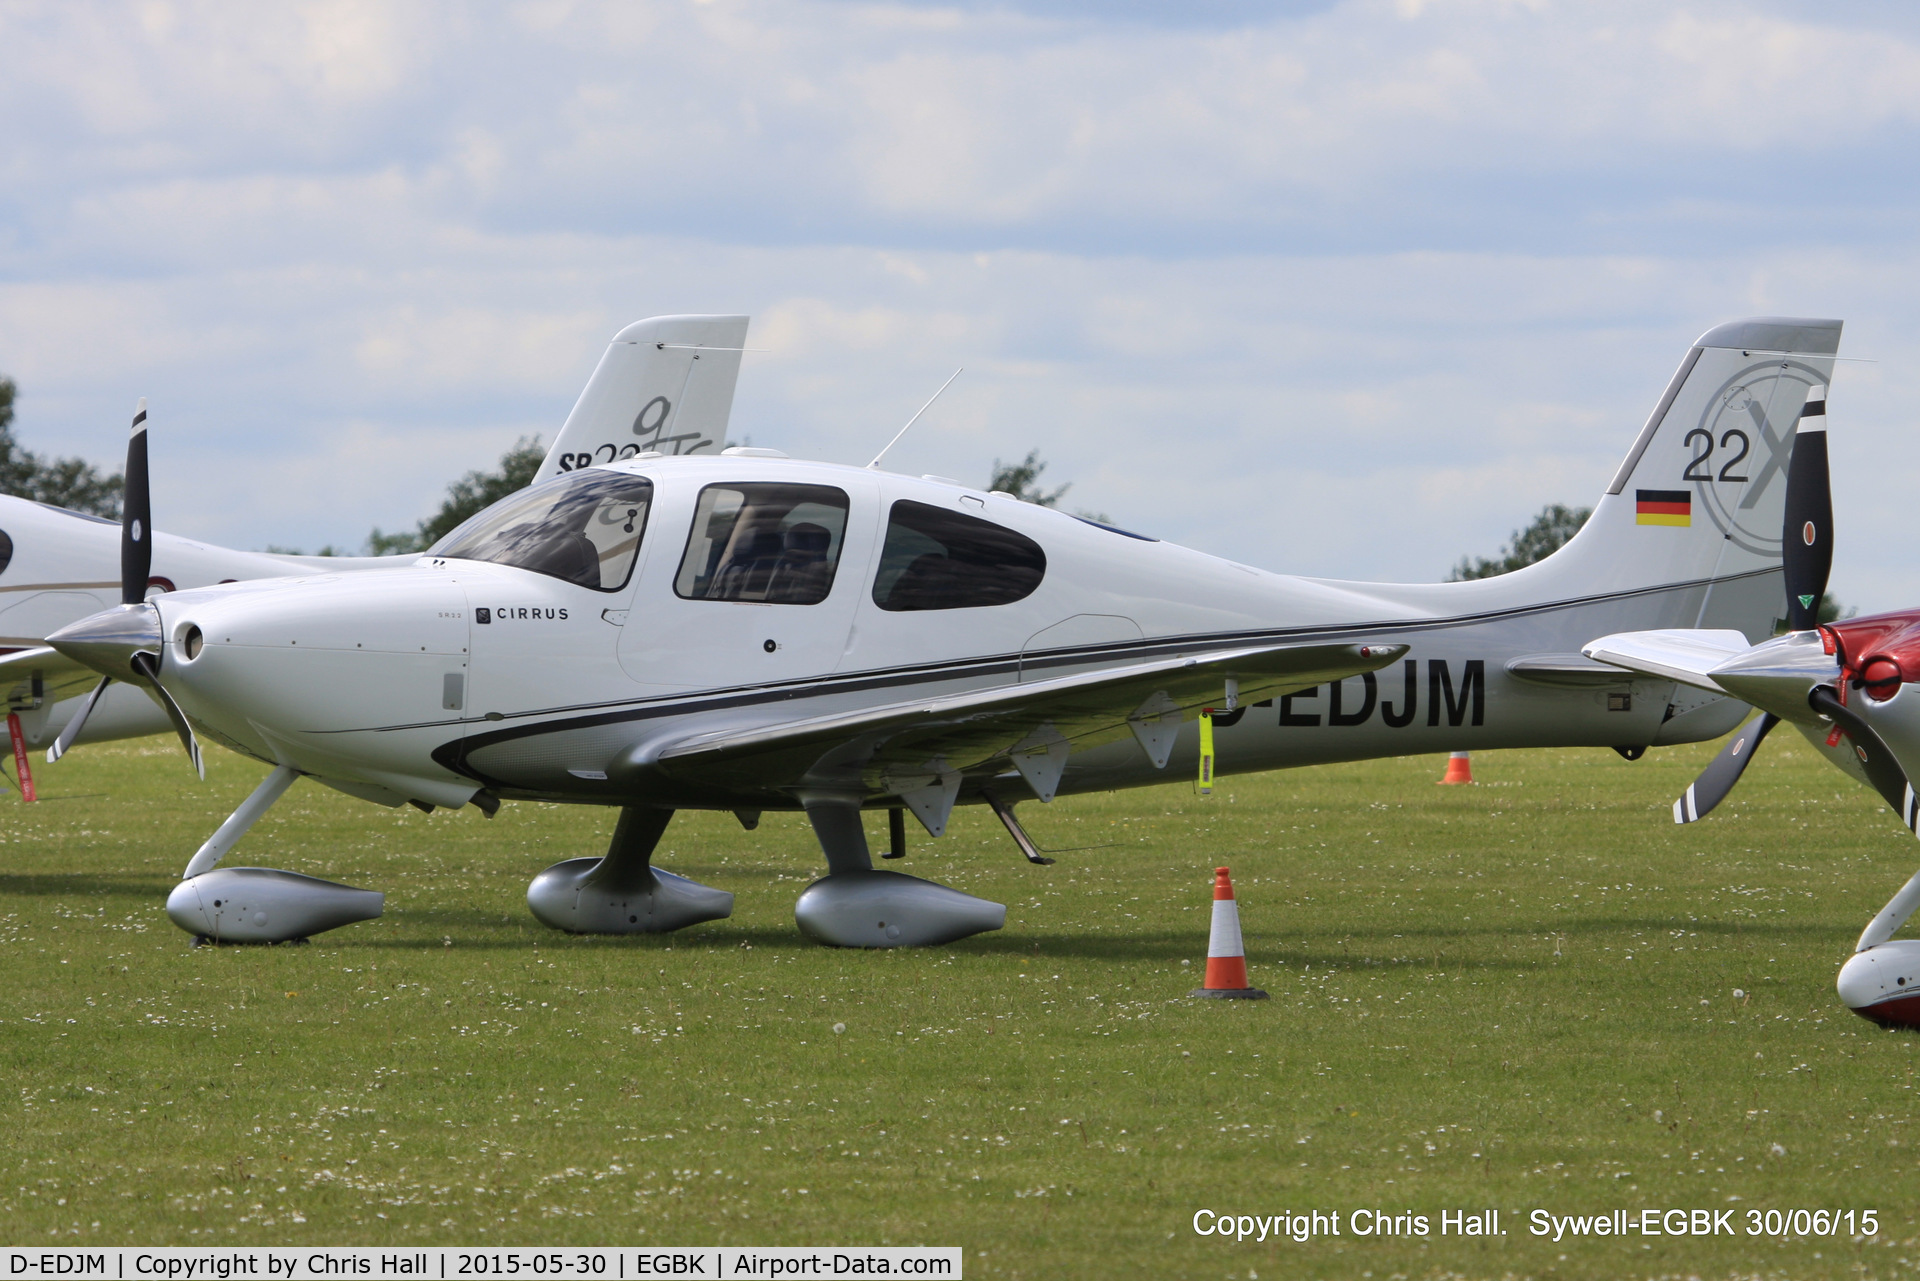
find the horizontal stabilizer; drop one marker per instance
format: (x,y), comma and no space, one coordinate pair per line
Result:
(1682,654)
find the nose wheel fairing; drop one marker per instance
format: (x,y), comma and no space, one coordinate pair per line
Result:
(266,905)
(1882,984)
(261,904)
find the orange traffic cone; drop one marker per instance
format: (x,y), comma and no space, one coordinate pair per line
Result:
(1226,954)
(1459,768)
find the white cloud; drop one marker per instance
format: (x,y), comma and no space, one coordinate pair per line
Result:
(1347,289)
(464,348)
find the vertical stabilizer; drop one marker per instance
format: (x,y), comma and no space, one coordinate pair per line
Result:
(665,385)
(1700,499)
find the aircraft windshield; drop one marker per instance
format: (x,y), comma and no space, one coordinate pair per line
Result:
(584,528)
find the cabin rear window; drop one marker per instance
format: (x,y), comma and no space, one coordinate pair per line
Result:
(939,559)
(6,551)
(584,528)
(770,544)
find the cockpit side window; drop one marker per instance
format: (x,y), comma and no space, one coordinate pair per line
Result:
(769,543)
(940,559)
(583,528)
(6,551)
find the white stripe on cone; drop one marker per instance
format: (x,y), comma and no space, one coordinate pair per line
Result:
(1224,940)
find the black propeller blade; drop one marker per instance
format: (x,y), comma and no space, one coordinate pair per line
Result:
(1718,778)
(1806,551)
(136,516)
(1876,758)
(130,634)
(1806,557)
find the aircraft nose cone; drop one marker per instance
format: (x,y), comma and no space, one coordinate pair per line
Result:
(107,641)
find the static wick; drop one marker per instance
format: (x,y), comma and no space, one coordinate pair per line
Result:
(916,418)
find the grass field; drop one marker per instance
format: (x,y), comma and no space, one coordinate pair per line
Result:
(1515,995)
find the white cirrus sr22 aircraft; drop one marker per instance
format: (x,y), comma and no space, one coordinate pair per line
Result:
(664,385)
(751,632)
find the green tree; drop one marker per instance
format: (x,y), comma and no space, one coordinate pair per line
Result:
(73,483)
(1021,480)
(467,496)
(1546,534)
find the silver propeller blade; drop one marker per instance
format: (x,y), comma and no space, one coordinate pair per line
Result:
(149,668)
(1718,778)
(72,731)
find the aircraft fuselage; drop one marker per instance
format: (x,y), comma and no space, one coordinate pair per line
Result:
(427,681)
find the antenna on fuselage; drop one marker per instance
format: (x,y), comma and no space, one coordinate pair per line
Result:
(916,418)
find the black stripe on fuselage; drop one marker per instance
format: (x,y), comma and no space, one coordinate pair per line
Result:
(452,755)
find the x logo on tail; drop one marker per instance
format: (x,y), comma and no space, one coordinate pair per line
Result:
(1777,454)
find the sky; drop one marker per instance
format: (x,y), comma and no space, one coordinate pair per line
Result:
(1348,289)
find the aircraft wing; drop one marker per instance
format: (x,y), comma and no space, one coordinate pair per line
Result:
(57,676)
(907,746)
(1680,654)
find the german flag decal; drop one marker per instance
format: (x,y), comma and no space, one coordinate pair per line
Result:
(1663,507)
